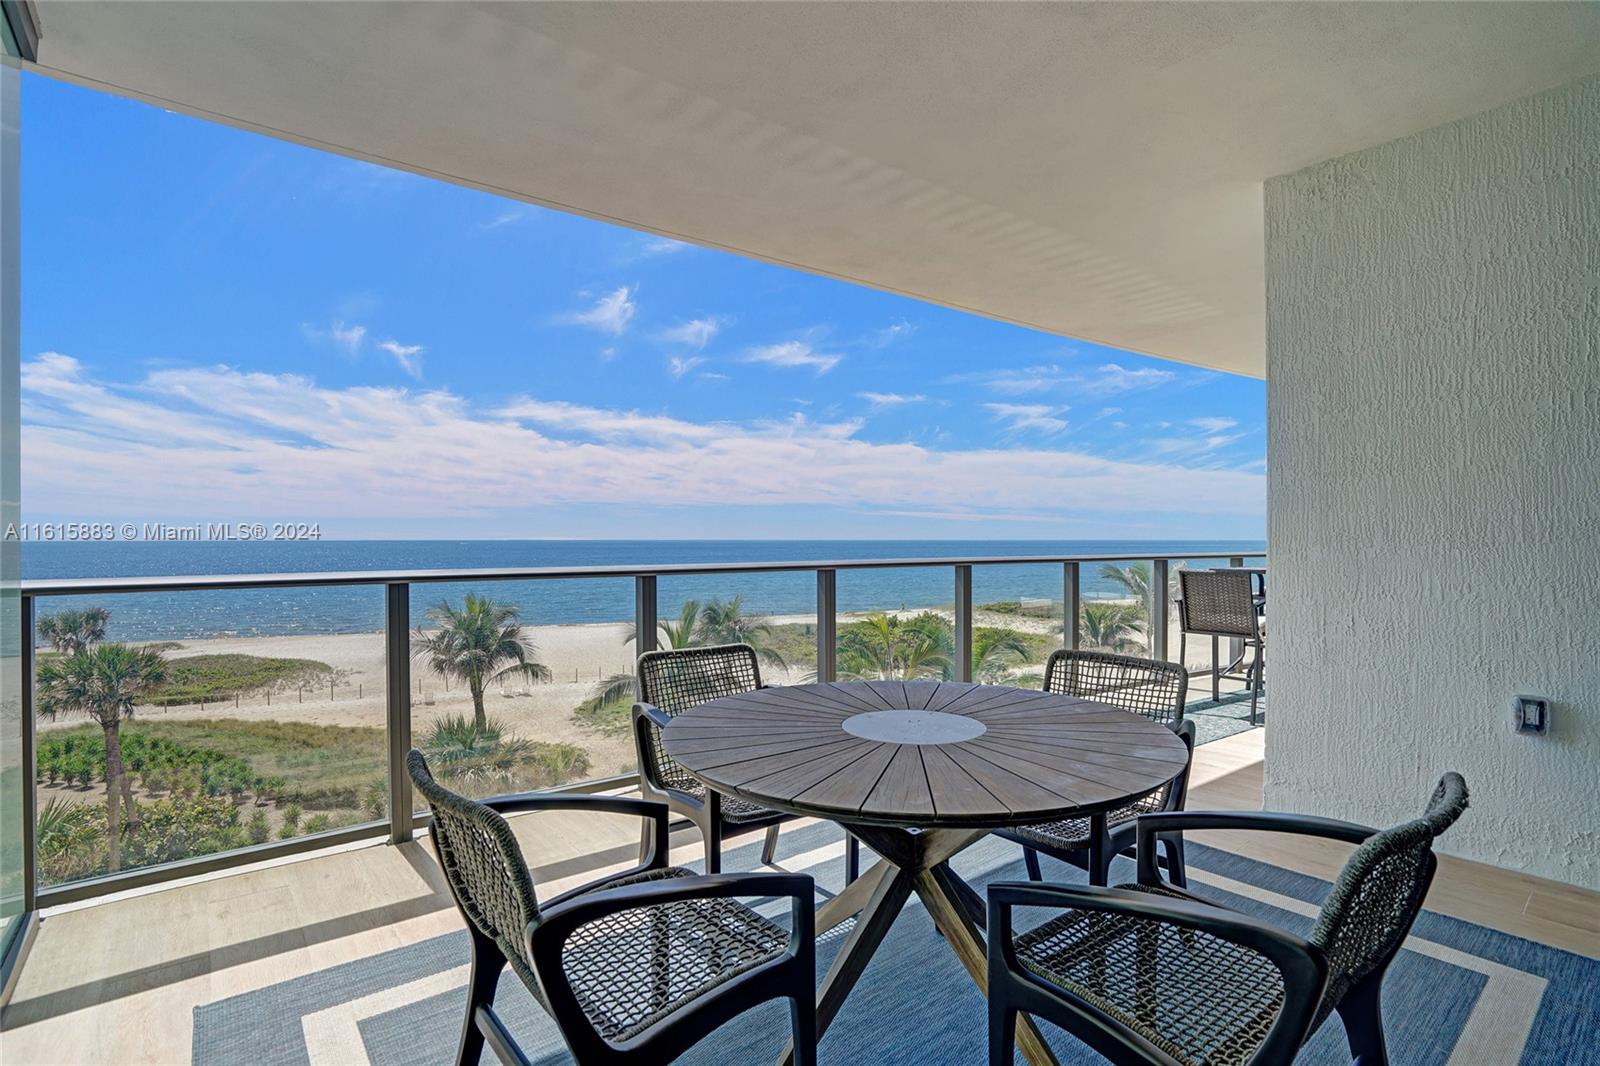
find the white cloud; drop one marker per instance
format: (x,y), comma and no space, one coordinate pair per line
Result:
(678,366)
(350,338)
(406,355)
(880,400)
(696,333)
(663,246)
(1113,377)
(1040,417)
(891,333)
(509,217)
(611,313)
(793,353)
(174,442)
(1213,424)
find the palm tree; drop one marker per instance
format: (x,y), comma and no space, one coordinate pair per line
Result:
(1110,626)
(888,647)
(724,622)
(674,634)
(70,632)
(480,643)
(103,682)
(995,650)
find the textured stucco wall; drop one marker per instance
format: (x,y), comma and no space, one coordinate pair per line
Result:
(1433,369)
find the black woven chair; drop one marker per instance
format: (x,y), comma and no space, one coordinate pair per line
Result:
(1149,687)
(670,682)
(1147,973)
(1221,603)
(634,968)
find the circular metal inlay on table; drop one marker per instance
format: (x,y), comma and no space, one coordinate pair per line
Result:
(913,727)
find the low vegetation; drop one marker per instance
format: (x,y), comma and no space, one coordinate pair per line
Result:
(213,678)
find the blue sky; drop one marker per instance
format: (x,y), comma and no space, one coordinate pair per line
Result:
(221,326)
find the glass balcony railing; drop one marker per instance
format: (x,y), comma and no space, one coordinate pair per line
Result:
(183,724)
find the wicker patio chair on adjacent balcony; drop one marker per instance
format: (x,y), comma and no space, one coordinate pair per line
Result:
(1149,687)
(1217,604)
(1147,973)
(670,682)
(635,968)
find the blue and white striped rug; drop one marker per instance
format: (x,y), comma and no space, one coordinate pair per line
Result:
(1459,994)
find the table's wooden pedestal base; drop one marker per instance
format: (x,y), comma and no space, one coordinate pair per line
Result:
(913,862)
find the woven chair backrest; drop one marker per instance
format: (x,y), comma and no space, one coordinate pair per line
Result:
(1150,687)
(1218,602)
(680,678)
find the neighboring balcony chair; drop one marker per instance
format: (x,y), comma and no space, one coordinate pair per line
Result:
(1147,973)
(671,682)
(634,968)
(1218,604)
(1149,687)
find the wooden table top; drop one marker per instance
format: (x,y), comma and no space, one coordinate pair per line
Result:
(924,753)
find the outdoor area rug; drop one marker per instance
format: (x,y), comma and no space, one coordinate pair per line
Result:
(1459,994)
(1216,719)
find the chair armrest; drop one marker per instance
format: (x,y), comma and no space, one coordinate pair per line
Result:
(650,810)
(1302,964)
(647,717)
(547,934)
(1149,826)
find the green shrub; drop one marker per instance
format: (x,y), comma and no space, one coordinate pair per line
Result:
(375,798)
(180,827)
(291,822)
(318,823)
(257,829)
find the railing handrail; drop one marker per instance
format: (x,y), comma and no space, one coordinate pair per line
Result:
(314,579)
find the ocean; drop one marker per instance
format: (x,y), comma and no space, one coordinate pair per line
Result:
(360,609)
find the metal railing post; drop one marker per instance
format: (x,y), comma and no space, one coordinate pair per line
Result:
(1160,609)
(397,695)
(827,625)
(1071,606)
(30,825)
(644,613)
(963,623)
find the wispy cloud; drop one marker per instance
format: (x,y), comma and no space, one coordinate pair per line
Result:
(509,217)
(348,337)
(407,355)
(695,333)
(1212,424)
(1112,378)
(678,366)
(1035,417)
(793,354)
(611,313)
(1012,382)
(893,332)
(880,400)
(363,453)
(663,246)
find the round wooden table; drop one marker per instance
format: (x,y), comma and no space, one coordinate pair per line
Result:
(919,770)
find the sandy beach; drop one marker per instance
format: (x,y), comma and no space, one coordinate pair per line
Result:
(578,656)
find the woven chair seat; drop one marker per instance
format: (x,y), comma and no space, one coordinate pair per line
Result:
(1072,834)
(630,970)
(1201,999)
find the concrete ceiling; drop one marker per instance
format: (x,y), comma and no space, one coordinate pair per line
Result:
(1093,170)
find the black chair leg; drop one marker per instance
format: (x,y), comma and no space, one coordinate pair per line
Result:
(769,849)
(803,1023)
(852,858)
(1100,855)
(1030,858)
(1002,1031)
(1362,1014)
(487,963)
(712,833)
(1255,689)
